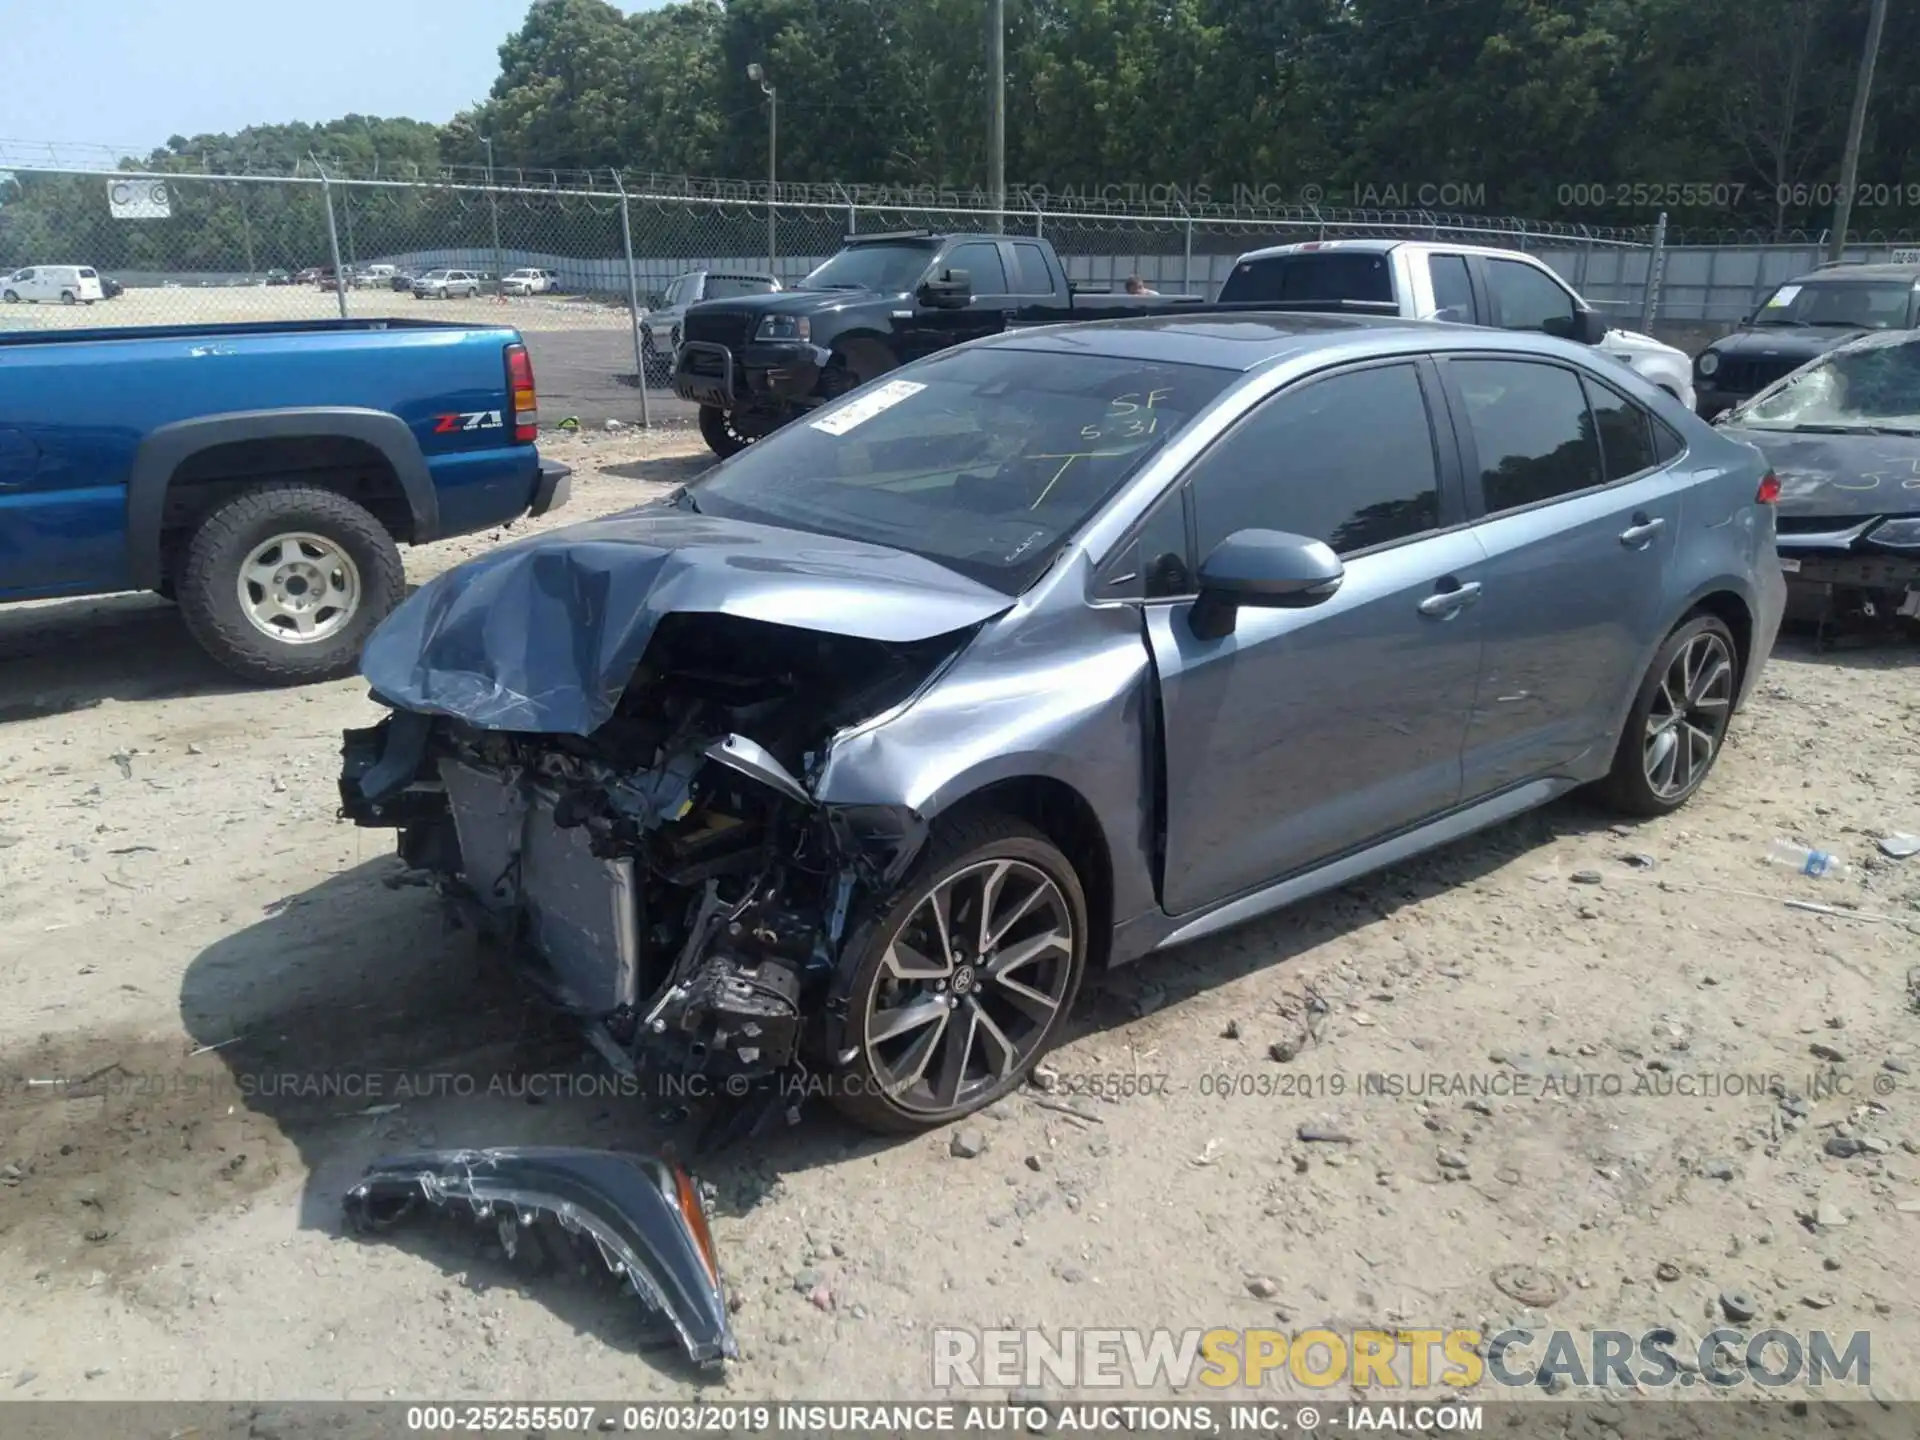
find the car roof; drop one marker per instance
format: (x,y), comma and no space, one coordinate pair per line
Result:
(1247,340)
(1849,273)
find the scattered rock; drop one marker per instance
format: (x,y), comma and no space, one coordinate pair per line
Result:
(1262,1287)
(1830,1263)
(1148,999)
(1283,1050)
(1737,1305)
(94,1372)
(1843,1147)
(967,1144)
(820,1297)
(1527,1285)
(1232,1032)
(1046,1078)
(1480,1107)
(1895,1067)
(1324,1135)
(1718,1168)
(1072,1274)
(193,749)
(806,1281)
(1908,1207)
(1638,860)
(1666,1272)
(1452,1160)
(1829,1216)
(1587,877)
(1033,1162)
(1817,1302)
(1821,1051)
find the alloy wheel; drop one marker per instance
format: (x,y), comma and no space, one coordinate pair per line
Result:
(1689,716)
(969,986)
(299,589)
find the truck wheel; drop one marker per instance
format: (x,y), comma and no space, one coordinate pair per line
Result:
(282,584)
(720,433)
(12,297)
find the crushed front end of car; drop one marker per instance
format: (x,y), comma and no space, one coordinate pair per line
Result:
(604,748)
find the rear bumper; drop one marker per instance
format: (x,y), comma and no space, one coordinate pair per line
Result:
(1862,570)
(552,489)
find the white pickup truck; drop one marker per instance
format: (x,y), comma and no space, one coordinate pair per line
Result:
(1467,284)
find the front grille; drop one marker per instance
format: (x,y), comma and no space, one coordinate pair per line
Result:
(724,328)
(1750,377)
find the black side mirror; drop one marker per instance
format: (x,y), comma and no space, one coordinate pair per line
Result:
(1270,569)
(1590,327)
(951,290)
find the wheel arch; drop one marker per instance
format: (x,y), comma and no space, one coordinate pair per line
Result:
(169,454)
(1066,817)
(1725,598)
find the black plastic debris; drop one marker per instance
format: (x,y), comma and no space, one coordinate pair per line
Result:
(643,1215)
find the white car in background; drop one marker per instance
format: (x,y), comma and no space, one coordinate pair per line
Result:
(1466,284)
(55,284)
(528,282)
(442,284)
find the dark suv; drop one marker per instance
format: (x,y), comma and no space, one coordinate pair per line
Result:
(1800,321)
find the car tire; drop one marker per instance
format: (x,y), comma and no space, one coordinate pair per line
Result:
(311,541)
(67,297)
(12,297)
(993,1028)
(717,429)
(1679,720)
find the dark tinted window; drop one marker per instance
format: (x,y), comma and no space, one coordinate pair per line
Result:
(1452,294)
(1348,460)
(1531,431)
(1626,432)
(986,461)
(982,263)
(1031,276)
(1526,299)
(1317,275)
(1666,442)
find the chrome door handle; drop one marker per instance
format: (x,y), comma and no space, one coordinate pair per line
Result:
(1449,602)
(1639,533)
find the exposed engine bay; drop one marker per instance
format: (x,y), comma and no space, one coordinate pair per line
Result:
(670,875)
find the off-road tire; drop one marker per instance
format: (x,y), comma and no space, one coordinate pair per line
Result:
(1626,787)
(207,581)
(956,845)
(720,436)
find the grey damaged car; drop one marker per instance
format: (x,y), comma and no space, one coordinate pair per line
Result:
(1049,652)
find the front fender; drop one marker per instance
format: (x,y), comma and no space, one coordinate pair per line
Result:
(1065,697)
(162,453)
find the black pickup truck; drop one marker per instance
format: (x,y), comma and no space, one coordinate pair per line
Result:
(753,362)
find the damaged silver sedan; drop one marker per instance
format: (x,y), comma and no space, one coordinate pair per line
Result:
(1049,651)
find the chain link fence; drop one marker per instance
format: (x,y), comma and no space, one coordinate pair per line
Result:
(578,263)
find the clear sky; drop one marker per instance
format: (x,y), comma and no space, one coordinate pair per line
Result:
(126,73)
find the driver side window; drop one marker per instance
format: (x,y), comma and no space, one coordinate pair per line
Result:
(1526,299)
(1348,459)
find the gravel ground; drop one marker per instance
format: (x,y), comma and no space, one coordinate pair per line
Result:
(222,304)
(173,877)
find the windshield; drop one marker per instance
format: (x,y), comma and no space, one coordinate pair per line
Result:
(986,461)
(725,287)
(890,268)
(1870,305)
(1870,385)
(434,275)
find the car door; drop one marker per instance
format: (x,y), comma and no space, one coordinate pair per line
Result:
(1579,517)
(933,328)
(1308,732)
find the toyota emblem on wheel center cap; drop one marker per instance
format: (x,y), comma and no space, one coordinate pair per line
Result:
(963,980)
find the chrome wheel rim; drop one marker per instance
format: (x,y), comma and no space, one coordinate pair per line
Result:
(1688,719)
(969,986)
(299,588)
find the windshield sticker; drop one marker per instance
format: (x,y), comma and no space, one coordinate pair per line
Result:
(860,411)
(1783,296)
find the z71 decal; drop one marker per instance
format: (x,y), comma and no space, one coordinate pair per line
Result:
(471,420)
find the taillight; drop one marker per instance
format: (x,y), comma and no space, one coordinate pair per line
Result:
(526,404)
(1769,492)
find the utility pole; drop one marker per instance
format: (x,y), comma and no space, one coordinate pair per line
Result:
(997,112)
(757,73)
(1856,128)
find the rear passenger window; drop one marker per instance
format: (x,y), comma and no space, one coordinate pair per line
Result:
(1031,276)
(1325,275)
(1626,432)
(1532,432)
(1348,460)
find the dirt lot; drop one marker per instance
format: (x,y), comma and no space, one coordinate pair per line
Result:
(219,304)
(172,877)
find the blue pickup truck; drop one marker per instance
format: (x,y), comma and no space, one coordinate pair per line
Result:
(260,475)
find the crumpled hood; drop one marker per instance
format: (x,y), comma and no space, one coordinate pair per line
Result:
(1839,475)
(544,636)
